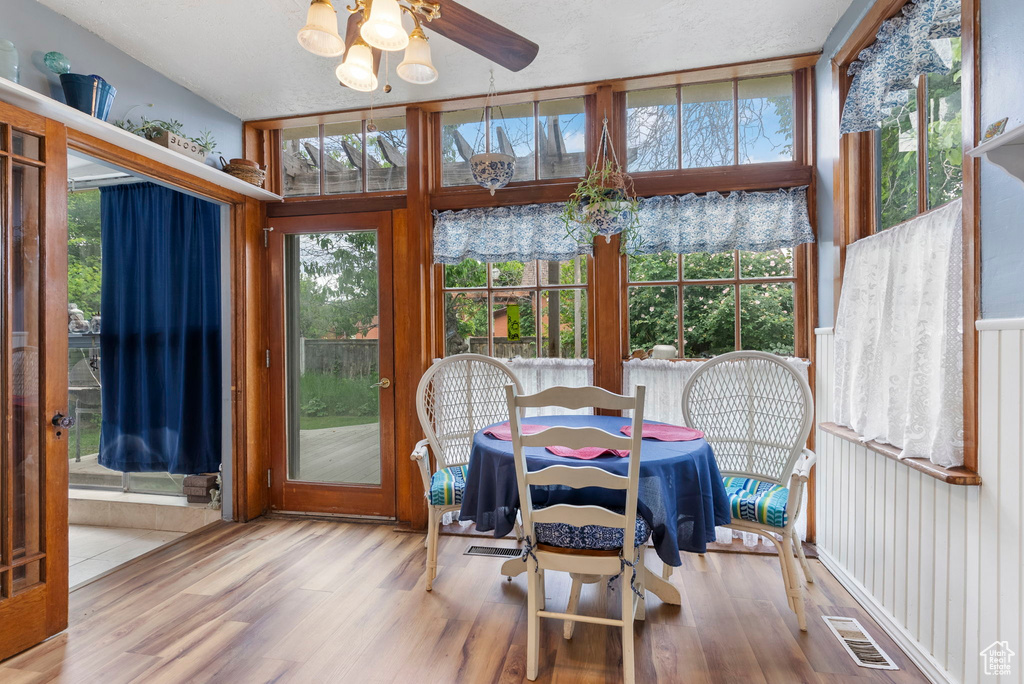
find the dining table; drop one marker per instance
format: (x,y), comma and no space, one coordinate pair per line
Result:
(681,493)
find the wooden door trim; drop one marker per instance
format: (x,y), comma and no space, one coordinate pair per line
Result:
(360,499)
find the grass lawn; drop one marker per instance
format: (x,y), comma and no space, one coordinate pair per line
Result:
(321,422)
(90,435)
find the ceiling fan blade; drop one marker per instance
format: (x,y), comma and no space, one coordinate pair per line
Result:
(352,32)
(483,36)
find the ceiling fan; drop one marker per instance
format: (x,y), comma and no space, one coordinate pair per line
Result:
(375,26)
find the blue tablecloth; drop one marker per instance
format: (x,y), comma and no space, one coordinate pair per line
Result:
(681,492)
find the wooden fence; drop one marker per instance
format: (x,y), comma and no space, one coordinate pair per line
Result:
(343,358)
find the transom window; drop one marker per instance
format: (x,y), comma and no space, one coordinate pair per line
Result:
(709,304)
(920,147)
(710,124)
(344,158)
(548,139)
(532,309)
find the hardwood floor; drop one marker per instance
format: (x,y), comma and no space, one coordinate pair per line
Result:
(316,602)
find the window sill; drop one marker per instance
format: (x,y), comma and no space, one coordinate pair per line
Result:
(953,476)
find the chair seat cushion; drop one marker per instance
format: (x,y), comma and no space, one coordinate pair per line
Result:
(756,501)
(447,486)
(590,537)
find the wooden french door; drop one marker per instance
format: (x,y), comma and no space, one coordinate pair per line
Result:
(332,365)
(33,380)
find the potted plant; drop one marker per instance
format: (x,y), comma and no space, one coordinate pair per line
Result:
(171,134)
(604,203)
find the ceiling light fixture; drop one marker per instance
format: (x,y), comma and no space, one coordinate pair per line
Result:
(356,71)
(320,34)
(383,28)
(417,67)
(380,28)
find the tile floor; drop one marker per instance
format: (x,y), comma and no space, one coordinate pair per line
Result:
(94,550)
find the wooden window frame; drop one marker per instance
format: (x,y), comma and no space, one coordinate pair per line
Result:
(681,282)
(856,202)
(490,290)
(276,168)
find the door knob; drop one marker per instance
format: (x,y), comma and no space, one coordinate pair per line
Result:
(62,421)
(383,384)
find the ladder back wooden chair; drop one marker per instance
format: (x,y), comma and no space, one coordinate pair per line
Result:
(756,412)
(583,540)
(456,397)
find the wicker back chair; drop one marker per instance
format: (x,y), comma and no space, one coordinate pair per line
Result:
(456,397)
(756,412)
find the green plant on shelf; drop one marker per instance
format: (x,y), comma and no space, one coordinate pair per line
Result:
(151,129)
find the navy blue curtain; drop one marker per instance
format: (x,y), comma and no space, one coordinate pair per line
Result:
(160,336)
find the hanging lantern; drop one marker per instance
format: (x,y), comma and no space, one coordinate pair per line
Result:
(492,170)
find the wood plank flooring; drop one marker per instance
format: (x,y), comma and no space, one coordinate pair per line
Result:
(311,602)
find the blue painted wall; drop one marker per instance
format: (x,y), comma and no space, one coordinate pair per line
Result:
(1002,197)
(35,30)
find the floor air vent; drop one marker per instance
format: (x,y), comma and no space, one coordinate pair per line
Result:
(858,643)
(493,551)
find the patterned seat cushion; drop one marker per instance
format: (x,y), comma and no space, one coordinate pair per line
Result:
(447,486)
(591,537)
(756,501)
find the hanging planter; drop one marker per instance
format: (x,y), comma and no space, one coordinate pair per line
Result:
(491,170)
(603,203)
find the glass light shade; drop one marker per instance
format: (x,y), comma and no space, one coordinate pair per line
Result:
(383,28)
(417,67)
(357,70)
(320,34)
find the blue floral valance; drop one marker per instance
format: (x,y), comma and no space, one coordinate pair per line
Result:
(750,221)
(497,234)
(887,70)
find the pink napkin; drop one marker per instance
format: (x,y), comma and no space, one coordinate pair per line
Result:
(503,431)
(586,453)
(666,433)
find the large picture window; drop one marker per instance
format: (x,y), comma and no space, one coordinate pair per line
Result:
(920,147)
(536,309)
(745,121)
(709,304)
(547,139)
(344,158)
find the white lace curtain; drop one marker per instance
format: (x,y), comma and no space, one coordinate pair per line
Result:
(539,374)
(899,338)
(664,381)
(498,234)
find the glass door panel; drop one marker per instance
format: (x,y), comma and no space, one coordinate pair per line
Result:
(26,447)
(333,402)
(333,352)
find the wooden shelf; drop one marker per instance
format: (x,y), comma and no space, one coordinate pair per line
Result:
(1005,151)
(20,96)
(953,476)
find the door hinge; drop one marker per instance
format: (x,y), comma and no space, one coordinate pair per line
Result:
(266,236)
(268,358)
(268,478)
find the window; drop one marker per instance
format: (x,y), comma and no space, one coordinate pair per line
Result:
(697,126)
(533,309)
(708,304)
(924,135)
(547,139)
(331,159)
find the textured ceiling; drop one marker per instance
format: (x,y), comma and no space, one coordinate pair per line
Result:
(242,55)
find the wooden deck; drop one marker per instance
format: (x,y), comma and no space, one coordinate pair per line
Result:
(307,601)
(343,454)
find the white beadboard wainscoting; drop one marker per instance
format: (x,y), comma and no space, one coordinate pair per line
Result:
(938,565)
